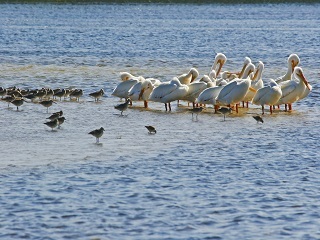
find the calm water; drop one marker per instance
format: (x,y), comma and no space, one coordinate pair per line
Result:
(208,179)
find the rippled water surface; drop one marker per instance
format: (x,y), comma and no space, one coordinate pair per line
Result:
(205,179)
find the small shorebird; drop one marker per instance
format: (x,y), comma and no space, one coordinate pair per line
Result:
(60,121)
(18,102)
(97,95)
(47,103)
(151,129)
(123,106)
(55,115)
(224,111)
(8,99)
(77,93)
(60,93)
(196,111)
(97,133)
(52,124)
(258,118)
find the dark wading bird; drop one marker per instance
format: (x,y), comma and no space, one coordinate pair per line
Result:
(151,129)
(52,124)
(196,111)
(258,119)
(123,106)
(224,111)
(97,133)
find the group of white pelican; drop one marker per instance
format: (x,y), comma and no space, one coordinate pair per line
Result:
(220,88)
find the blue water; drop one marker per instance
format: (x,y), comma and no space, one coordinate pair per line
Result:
(206,179)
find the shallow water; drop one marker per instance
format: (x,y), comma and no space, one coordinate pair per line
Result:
(205,179)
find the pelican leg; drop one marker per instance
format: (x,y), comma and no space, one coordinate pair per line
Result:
(286,107)
(290,106)
(262,110)
(166,107)
(169,106)
(237,108)
(270,109)
(243,104)
(247,104)
(145,104)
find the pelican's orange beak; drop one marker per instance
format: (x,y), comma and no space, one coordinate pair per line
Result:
(293,64)
(255,74)
(304,80)
(220,62)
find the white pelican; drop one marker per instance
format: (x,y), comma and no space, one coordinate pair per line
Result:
(168,92)
(293,61)
(219,61)
(189,77)
(256,83)
(141,91)
(235,90)
(246,62)
(293,90)
(209,95)
(194,89)
(268,95)
(123,88)
(125,76)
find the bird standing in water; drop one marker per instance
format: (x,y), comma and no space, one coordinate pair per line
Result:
(258,118)
(97,133)
(123,106)
(151,129)
(224,111)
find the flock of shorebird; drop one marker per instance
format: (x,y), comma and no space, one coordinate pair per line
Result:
(225,90)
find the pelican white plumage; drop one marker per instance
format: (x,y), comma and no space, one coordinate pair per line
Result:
(189,77)
(246,62)
(219,60)
(125,76)
(123,88)
(268,95)
(209,95)
(293,90)
(235,90)
(293,61)
(169,92)
(256,83)
(194,89)
(141,91)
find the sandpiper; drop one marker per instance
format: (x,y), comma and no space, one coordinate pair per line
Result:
(258,118)
(60,121)
(3,92)
(151,129)
(60,93)
(97,133)
(123,106)
(97,95)
(52,124)
(196,111)
(77,93)
(224,111)
(18,102)
(47,103)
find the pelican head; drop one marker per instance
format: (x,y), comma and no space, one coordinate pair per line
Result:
(220,60)
(246,62)
(259,70)
(299,74)
(293,61)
